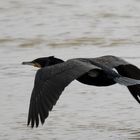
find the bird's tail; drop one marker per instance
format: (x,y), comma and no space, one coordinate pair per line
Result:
(126,81)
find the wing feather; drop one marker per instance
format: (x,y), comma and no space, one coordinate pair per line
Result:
(109,61)
(131,71)
(124,68)
(49,84)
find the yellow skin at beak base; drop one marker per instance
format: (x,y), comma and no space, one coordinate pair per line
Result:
(37,65)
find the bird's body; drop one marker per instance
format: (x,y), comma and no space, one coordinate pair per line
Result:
(55,74)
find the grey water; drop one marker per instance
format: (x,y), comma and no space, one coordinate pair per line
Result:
(67,29)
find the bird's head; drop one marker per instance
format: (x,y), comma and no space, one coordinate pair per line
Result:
(43,61)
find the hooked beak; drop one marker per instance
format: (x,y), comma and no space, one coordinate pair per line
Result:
(32,64)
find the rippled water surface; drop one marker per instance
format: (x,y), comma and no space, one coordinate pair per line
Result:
(67,29)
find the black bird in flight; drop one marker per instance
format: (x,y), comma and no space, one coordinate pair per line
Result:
(55,74)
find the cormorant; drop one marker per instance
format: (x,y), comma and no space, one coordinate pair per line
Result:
(55,74)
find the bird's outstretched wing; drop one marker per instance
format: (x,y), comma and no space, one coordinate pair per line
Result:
(49,84)
(131,71)
(124,68)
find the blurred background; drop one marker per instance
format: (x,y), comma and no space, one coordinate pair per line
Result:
(68,29)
